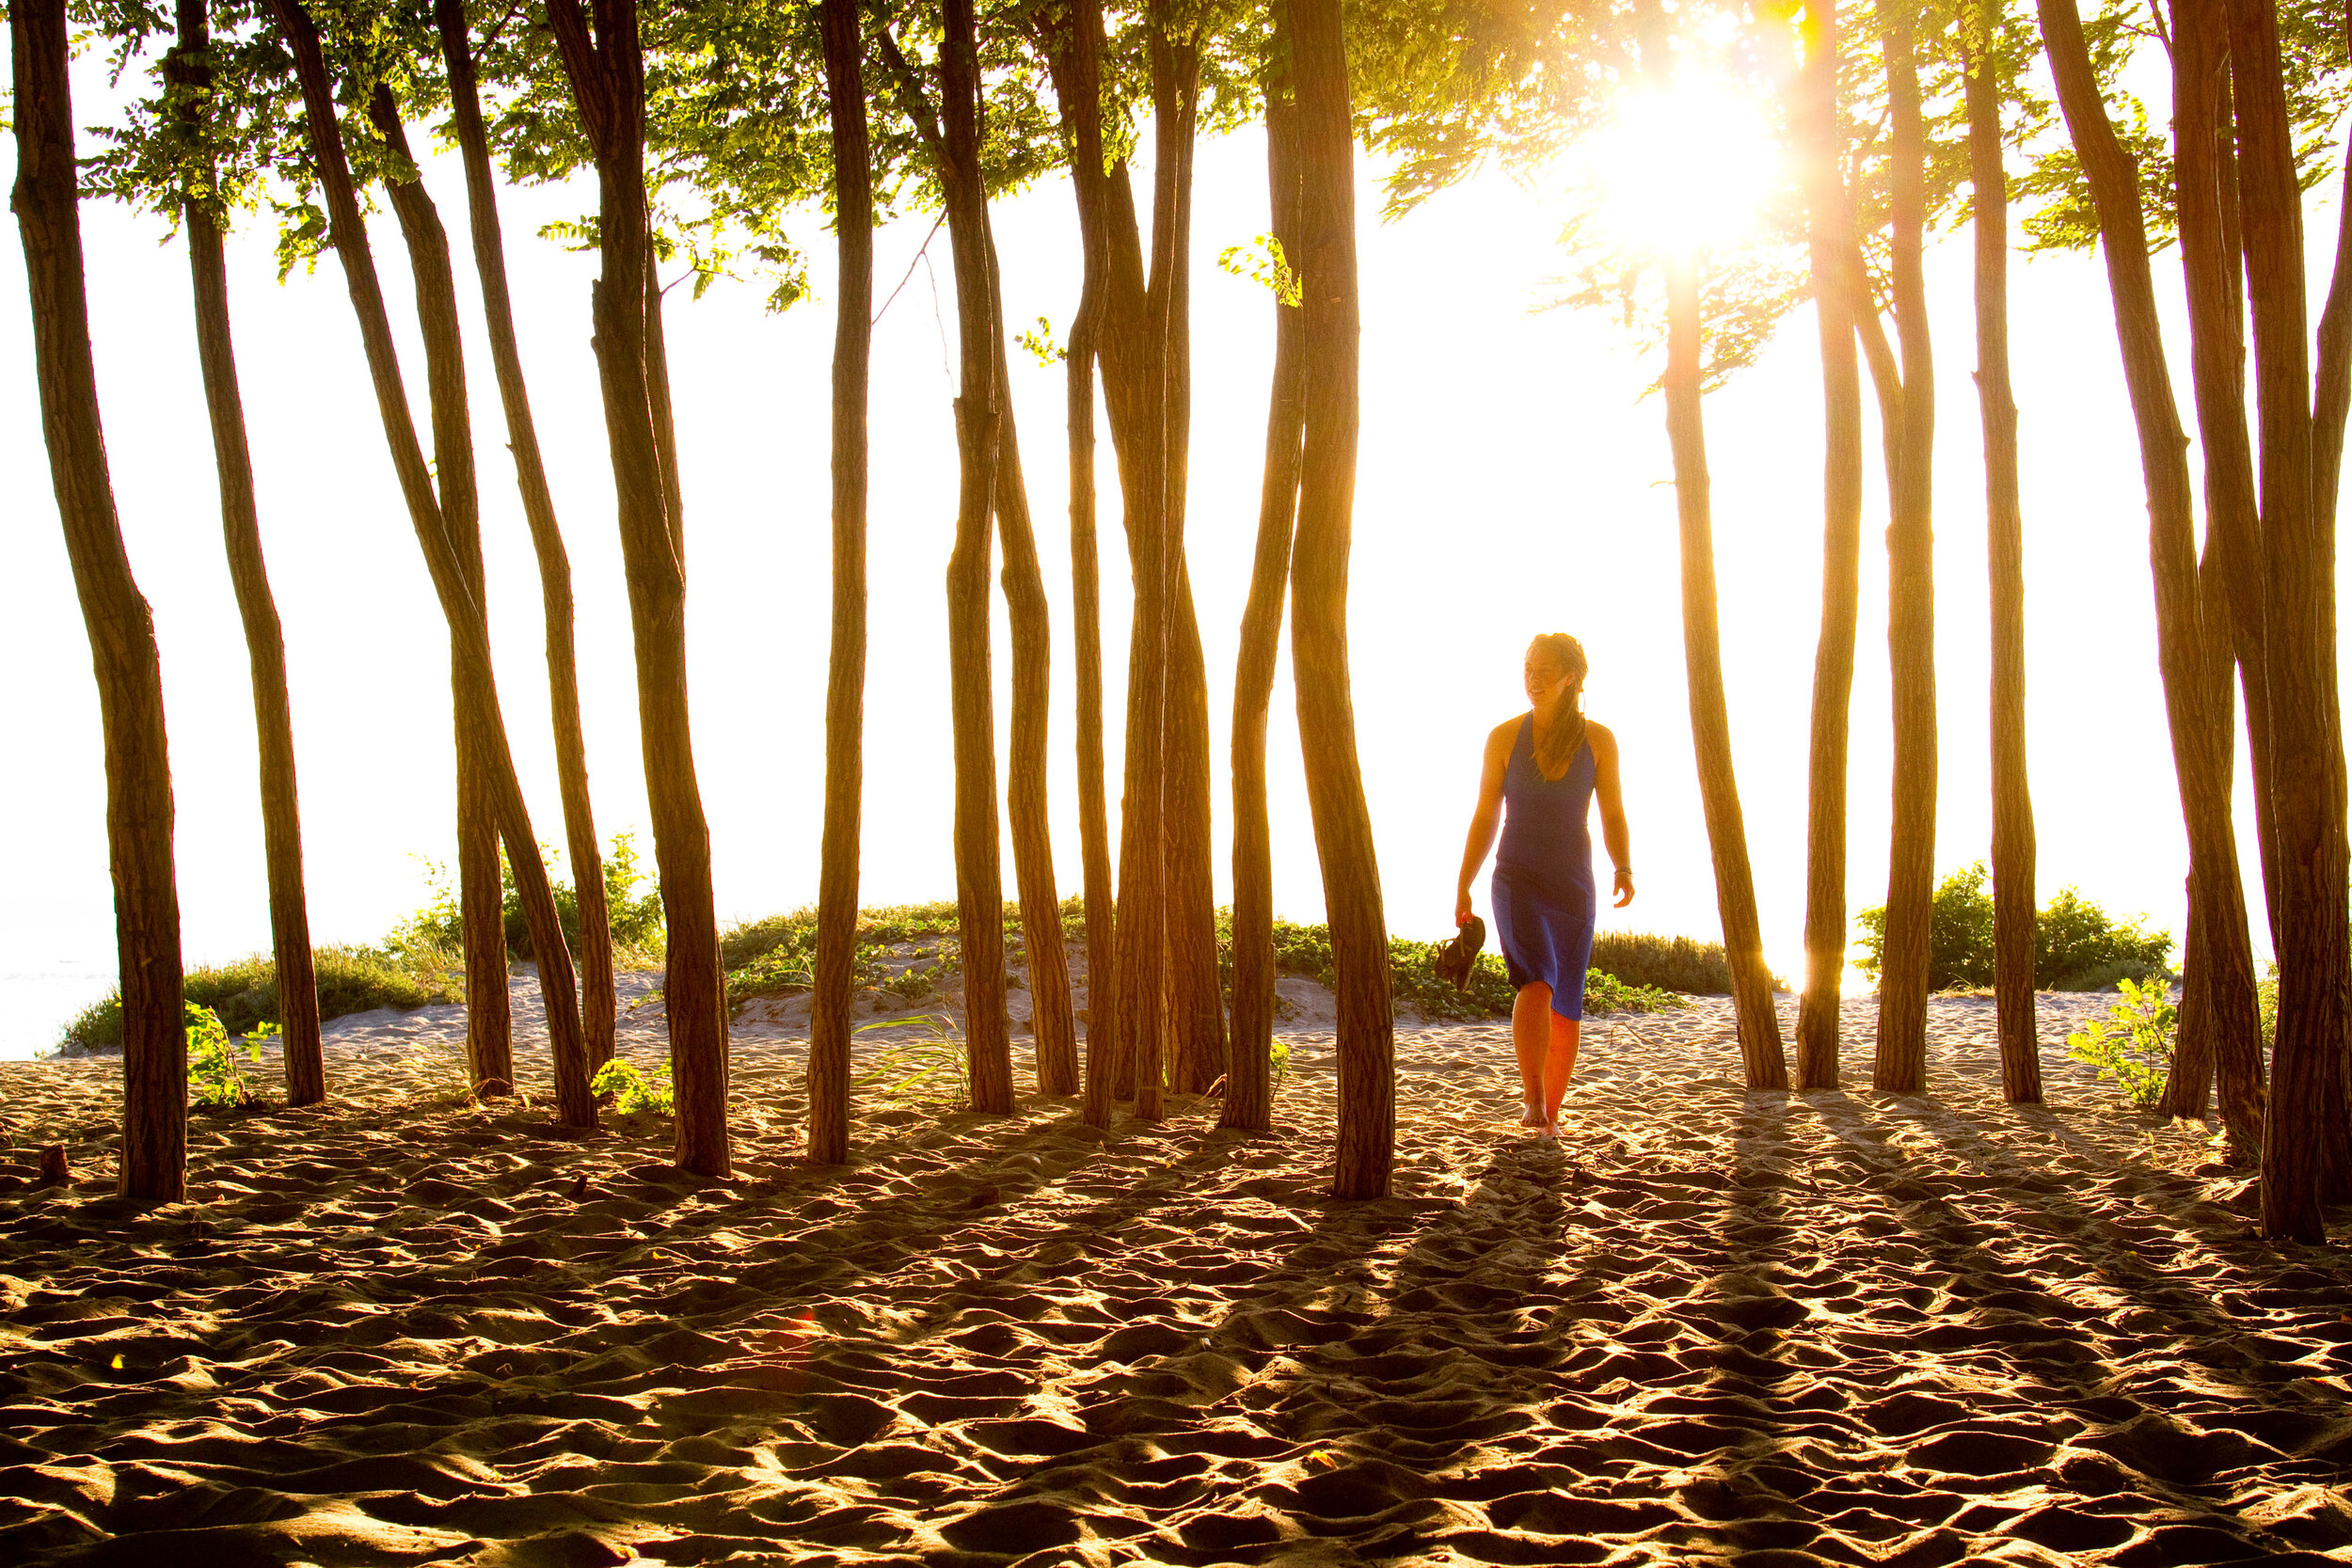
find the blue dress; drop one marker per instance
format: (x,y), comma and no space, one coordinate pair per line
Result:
(1543,886)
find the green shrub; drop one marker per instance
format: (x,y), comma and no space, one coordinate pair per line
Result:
(2132,1046)
(213,1076)
(2078,945)
(1682,964)
(633,1090)
(244,994)
(639,935)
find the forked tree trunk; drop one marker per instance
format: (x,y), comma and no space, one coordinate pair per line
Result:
(1053,1022)
(2305,1163)
(481,902)
(598,1008)
(1899,1065)
(122,633)
(1828,241)
(845,686)
(188,67)
(575,1106)
(2217,912)
(2005,564)
(1366,1041)
(606,73)
(1248,1097)
(658,405)
(1761,1054)
(1082,116)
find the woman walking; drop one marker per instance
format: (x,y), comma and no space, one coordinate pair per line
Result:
(1543,769)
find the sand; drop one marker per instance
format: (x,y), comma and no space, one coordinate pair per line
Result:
(1708,1326)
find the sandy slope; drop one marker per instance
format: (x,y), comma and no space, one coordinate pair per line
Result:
(1770,1328)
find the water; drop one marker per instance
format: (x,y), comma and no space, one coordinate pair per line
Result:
(36,1003)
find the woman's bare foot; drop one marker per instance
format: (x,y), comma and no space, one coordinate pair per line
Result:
(1530,1116)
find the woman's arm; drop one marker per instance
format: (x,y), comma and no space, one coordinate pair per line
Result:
(1614,832)
(1485,819)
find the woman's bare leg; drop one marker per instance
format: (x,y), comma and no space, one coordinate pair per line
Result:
(1559,1066)
(1530,1036)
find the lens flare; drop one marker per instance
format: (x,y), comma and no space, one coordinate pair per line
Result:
(1684,169)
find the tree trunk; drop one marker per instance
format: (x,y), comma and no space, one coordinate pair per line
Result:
(2217,907)
(608,79)
(1761,1052)
(487,731)
(481,900)
(1841,558)
(189,69)
(1052,1019)
(2305,1163)
(845,689)
(1249,1094)
(2005,563)
(122,633)
(657,405)
(1313,31)
(1082,117)
(1900,1063)
(599,1009)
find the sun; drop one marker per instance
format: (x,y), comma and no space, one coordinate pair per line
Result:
(1686,169)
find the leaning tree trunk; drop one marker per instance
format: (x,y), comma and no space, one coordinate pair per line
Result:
(1052,1020)
(1901,1061)
(2005,558)
(1841,558)
(606,73)
(845,686)
(1082,115)
(2196,751)
(1366,1042)
(2304,1160)
(188,69)
(575,1105)
(1248,1097)
(489,1027)
(1761,1051)
(121,632)
(599,1012)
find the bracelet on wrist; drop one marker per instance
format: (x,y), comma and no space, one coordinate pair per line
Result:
(1625,872)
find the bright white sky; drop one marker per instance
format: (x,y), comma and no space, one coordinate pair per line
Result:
(1513,480)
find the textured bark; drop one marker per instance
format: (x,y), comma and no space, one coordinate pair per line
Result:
(2305,1163)
(598,1008)
(189,69)
(1249,1094)
(606,73)
(845,689)
(1078,84)
(1841,558)
(2218,906)
(1761,1051)
(122,633)
(481,902)
(1899,1065)
(460,609)
(1366,1042)
(2005,565)
(1052,1019)
(659,407)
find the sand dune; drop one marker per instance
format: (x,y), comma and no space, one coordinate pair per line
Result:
(1770,1329)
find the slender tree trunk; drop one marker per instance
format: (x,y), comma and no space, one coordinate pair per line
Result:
(189,68)
(845,689)
(1078,83)
(489,1027)
(487,733)
(1711,721)
(599,1010)
(657,405)
(2305,1162)
(1052,1019)
(1901,1064)
(607,73)
(1841,559)
(2217,912)
(122,633)
(1249,1094)
(1313,31)
(2005,553)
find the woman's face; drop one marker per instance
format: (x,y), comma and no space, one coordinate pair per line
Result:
(1545,677)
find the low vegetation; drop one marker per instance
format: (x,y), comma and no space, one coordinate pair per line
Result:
(2076,944)
(2132,1046)
(635,916)
(244,994)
